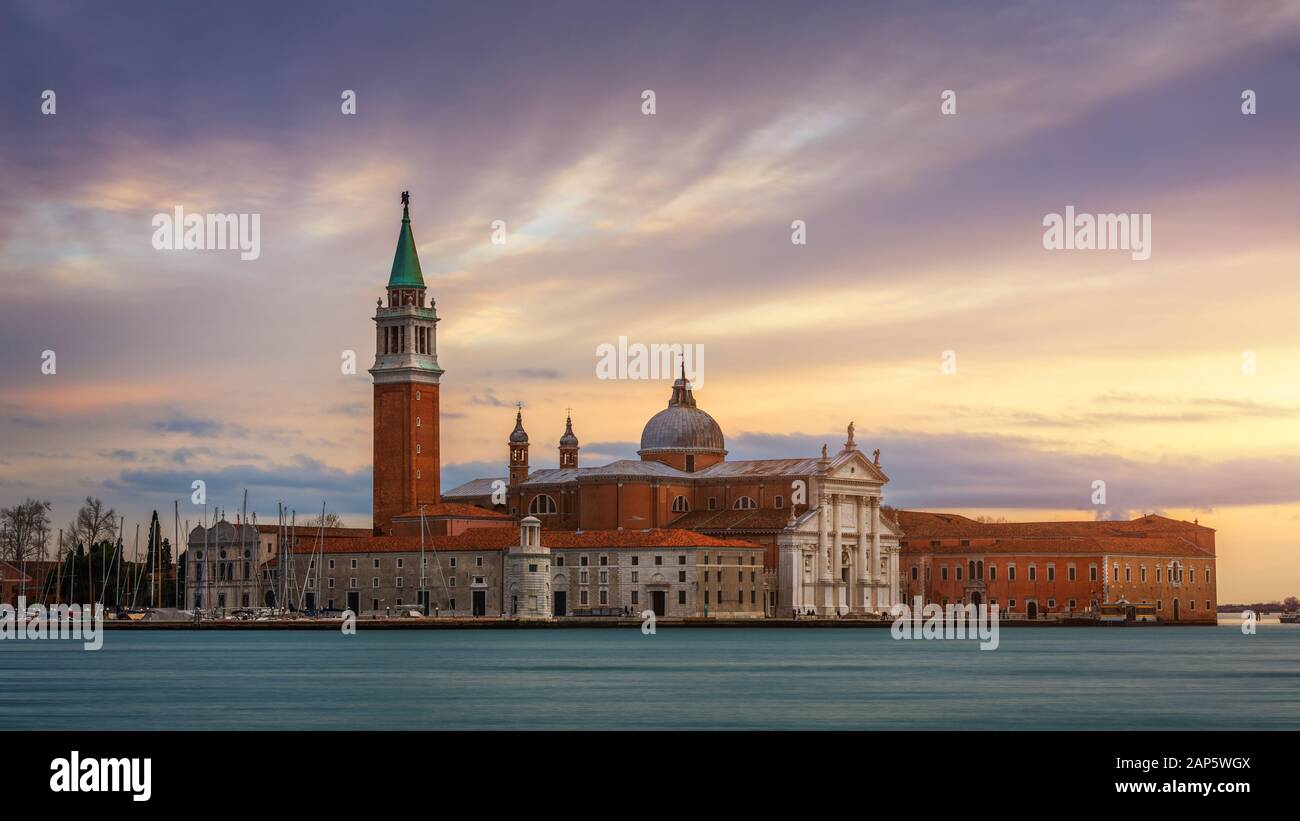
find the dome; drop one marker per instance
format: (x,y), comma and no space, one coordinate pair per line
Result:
(568,440)
(518,436)
(682,427)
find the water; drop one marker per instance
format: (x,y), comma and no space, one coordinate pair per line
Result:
(1039,678)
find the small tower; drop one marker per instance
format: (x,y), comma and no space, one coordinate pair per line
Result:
(518,450)
(568,445)
(528,574)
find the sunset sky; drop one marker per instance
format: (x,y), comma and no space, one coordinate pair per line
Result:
(924,235)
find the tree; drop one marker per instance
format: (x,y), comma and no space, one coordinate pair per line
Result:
(25,530)
(93,524)
(1291,603)
(332,519)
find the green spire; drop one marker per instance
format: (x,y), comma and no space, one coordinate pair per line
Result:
(406,262)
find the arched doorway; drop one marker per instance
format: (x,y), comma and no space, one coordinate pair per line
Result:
(270,598)
(1031,609)
(976,599)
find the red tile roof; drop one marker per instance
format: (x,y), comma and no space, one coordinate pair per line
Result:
(765,518)
(501,538)
(454,510)
(920,524)
(306,530)
(1095,545)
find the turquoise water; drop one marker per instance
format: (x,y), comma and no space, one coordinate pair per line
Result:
(1041,678)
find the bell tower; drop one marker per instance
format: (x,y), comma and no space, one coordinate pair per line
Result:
(518,450)
(406,375)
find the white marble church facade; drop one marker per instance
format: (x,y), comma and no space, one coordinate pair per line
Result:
(841,556)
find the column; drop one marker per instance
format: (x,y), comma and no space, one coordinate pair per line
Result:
(823,565)
(837,551)
(874,570)
(861,598)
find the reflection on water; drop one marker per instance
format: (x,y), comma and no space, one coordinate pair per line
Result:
(1038,678)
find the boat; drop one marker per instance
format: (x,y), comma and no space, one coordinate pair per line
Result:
(1289,618)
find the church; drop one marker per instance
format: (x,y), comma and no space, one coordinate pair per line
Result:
(827,547)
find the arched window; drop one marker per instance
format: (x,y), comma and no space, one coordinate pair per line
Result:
(745,503)
(681,505)
(541,504)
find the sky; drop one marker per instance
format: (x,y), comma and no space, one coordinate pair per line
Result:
(924,247)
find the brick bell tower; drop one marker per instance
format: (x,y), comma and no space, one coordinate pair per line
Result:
(406,377)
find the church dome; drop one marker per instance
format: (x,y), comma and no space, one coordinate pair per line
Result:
(568,440)
(682,427)
(519,436)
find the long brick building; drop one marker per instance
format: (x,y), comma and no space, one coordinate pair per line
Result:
(1052,569)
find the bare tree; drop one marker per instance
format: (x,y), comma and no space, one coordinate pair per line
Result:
(93,524)
(25,530)
(331,520)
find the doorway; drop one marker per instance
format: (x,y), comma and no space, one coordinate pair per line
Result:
(1175,609)
(561,604)
(1031,609)
(311,601)
(480,603)
(424,602)
(354,602)
(659,602)
(976,599)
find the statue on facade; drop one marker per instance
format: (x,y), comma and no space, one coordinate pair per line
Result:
(875,457)
(825,455)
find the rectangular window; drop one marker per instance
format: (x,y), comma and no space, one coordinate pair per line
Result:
(943,573)
(582,596)
(582,560)
(376,564)
(478,561)
(452,562)
(1070,573)
(681,575)
(604,597)
(374,582)
(635,576)
(713,503)
(1051,572)
(1033,573)
(1092,572)
(354,564)
(1011,574)
(331,564)
(659,560)
(993,572)
(681,597)
(352,582)
(636,596)
(636,560)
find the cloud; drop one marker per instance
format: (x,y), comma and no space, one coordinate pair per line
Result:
(194,427)
(937,471)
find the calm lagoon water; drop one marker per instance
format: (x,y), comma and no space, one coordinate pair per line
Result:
(775,679)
